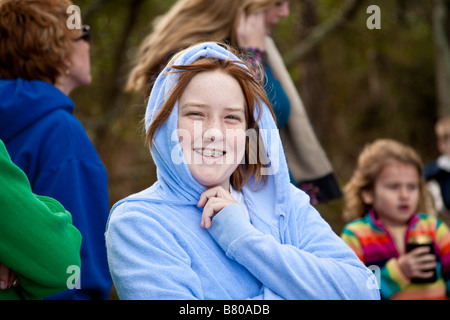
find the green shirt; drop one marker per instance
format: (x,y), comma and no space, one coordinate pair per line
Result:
(37,238)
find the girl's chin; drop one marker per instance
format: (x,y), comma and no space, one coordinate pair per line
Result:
(210,176)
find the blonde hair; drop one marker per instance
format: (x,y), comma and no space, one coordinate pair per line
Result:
(371,161)
(188,22)
(442,129)
(35,39)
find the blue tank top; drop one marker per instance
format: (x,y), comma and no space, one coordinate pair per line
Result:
(278,98)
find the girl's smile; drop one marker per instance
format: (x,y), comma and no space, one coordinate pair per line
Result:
(208,153)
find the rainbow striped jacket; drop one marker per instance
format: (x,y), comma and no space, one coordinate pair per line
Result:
(375,247)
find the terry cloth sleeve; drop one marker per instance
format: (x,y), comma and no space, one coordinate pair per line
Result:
(81,186)
(390,278)
(37,239)
(137,243)
(320,266)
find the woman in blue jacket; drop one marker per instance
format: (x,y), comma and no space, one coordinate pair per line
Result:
(223,221)
(41,62)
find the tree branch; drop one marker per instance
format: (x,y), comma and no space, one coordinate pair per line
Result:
(322,31)
(112,104)
(442,48)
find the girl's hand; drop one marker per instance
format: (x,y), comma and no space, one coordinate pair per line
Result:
(213,200)
(415,264)
(7,278)
(251,30)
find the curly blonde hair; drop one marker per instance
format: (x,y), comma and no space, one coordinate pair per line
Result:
(188,22)
(35,39)
(373,158)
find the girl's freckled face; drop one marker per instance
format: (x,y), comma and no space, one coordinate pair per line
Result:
(211,127)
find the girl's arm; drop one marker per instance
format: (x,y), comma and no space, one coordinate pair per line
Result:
(319,266)
(146,261)
(390,277)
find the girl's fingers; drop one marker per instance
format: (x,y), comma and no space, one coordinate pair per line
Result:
(210,210)
(213,207)
(213,201)
(426,275)
(426,262)
(216,192)
(420,251)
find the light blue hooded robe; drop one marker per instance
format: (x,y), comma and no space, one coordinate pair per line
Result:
(158,250)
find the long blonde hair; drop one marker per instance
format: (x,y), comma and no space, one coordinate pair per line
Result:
(188,22)
(371,161)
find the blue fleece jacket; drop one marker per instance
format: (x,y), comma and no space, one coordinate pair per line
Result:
(51,146)
(158,250)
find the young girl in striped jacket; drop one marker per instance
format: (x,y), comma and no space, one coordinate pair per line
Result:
(389,208)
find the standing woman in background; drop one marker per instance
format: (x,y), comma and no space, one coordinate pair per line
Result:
(246,25)
(41,62)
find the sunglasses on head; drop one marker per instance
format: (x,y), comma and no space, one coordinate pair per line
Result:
(85,33)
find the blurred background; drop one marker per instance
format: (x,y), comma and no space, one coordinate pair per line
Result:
(357,84)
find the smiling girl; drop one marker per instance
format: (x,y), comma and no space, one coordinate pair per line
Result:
(215,229)
(247,26)
(386,195)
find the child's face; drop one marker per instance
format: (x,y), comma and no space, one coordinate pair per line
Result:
(211,127)
(444,145)
(395,195)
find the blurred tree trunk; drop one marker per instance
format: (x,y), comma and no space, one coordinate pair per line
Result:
(321,31)
(115,91)
(312,88)
(441,34)
(127,172)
